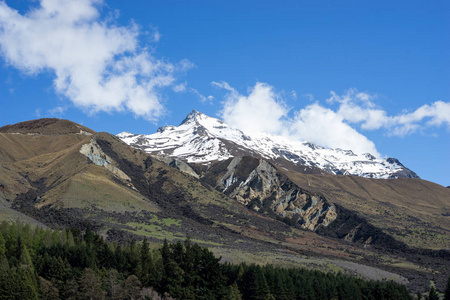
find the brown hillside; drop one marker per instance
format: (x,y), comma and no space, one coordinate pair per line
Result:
(46,126)
(45,149)
(17,147)
(414,211)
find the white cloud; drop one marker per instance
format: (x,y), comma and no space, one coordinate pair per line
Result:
(224,85)
(200,96)
(57,111)
(310,97)
(263,110)
(325,127)
(358,108)
(156,35)
(294,94)
(183,87)
(97,65)
(180,88)
(436,114)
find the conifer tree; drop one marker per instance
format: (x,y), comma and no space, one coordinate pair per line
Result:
(433,294)
(447,290)
(25,284)
(89,235)
(2,246)
(25,259)
(146,264)
(70,241)
(166,267)
(233,292)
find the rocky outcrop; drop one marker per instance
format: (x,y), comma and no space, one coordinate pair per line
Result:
(259,185)
(95,153)
(177,164)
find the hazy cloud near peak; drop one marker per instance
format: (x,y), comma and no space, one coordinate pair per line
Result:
(97,65)
(263,110)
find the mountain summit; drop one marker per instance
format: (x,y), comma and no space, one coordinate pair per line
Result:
(194,116)
(203,139)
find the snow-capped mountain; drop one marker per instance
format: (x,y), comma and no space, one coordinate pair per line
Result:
(203,139)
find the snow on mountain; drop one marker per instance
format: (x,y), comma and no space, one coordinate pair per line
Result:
(203,139)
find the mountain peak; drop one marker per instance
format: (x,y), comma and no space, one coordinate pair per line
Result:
(193,116)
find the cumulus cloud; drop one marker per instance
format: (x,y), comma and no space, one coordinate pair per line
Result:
(263,110)
(99,66)
(436,114)
(357,107)
(325,127)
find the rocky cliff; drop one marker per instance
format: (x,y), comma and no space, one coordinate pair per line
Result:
(259,185)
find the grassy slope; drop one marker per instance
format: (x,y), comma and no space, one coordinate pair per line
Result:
(95,187)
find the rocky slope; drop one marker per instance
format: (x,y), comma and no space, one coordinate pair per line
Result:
(202,139)
(259,185)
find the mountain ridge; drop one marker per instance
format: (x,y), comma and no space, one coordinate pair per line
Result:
(203,139)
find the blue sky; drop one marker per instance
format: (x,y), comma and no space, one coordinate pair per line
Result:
(365,75)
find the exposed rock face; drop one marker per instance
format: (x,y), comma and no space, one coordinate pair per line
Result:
(177,164)
(98,157)
(259,185)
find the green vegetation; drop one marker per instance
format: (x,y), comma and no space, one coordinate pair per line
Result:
(68,264)
(447,290)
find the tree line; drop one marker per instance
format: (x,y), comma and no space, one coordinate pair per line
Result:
(37,263)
